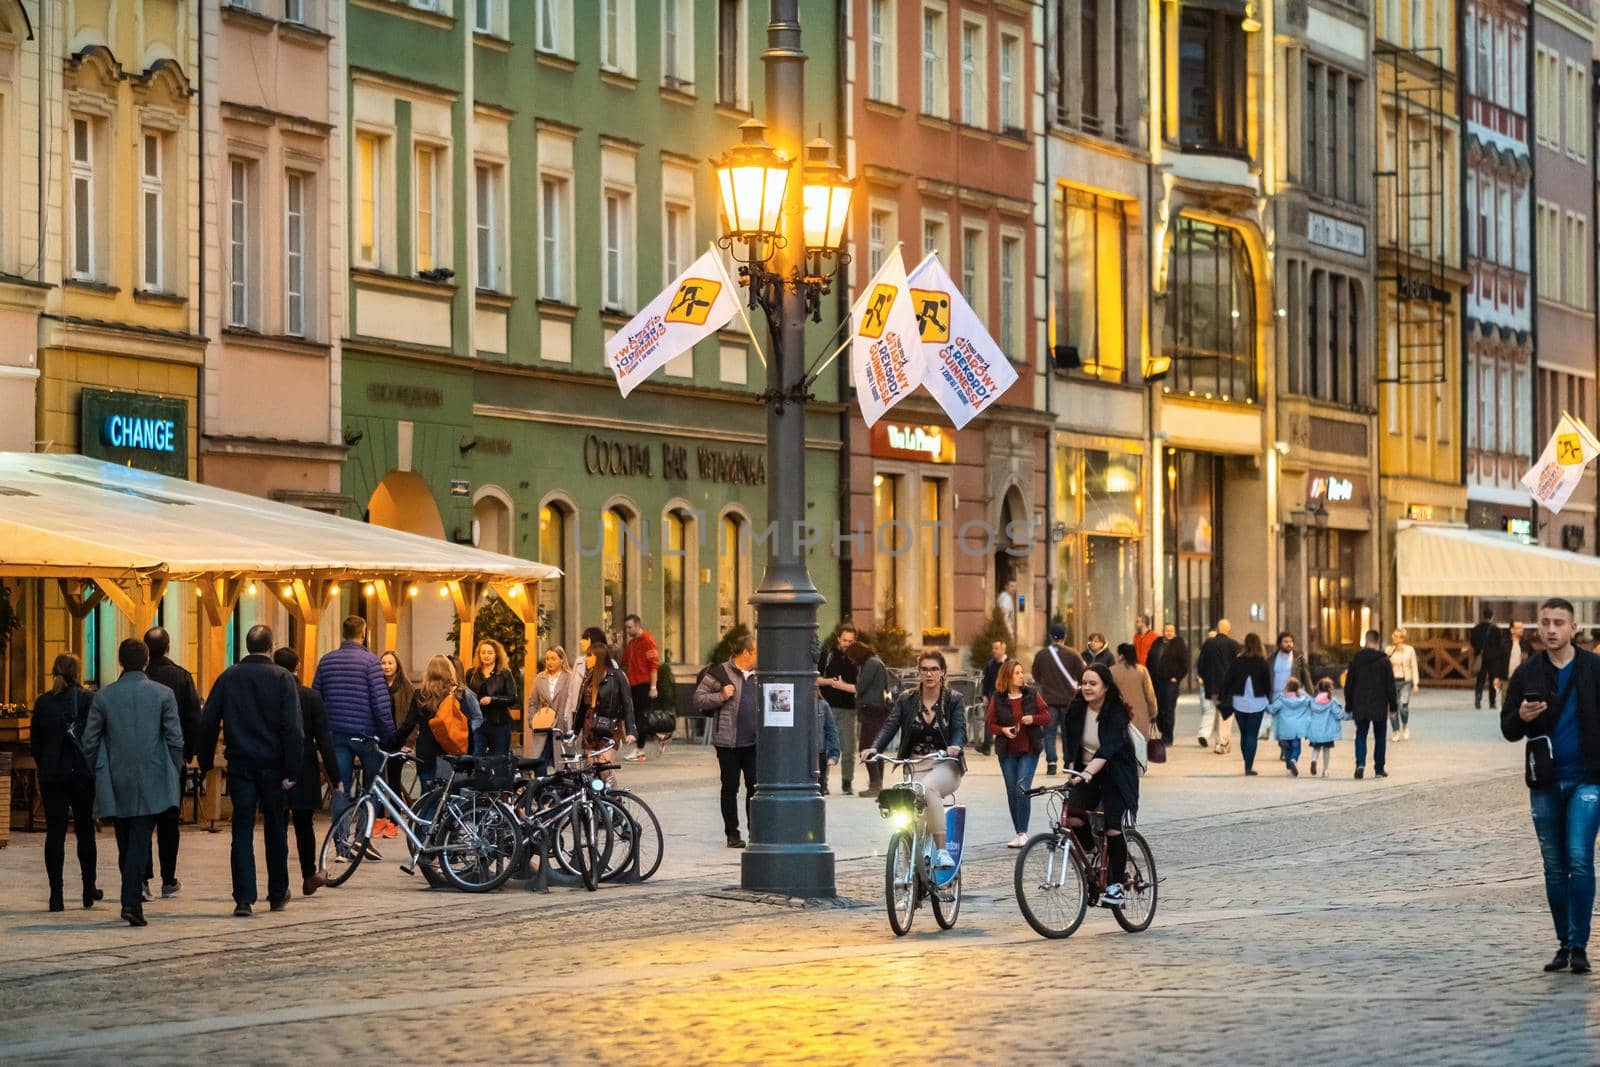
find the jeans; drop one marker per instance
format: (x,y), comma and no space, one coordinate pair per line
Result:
(1166,709)
(1016,769)
(133,835)
(846,720)
(1290,749)
(345,754)
(733,762)
(1566,817)
(1049,739)
(250,789)
(494,740)
(1249,735)
(74,797)
(1402,698)
(1379,742)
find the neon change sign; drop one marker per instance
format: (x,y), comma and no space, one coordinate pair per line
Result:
(140,432)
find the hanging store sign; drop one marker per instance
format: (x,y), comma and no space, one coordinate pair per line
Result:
(1519,527)
(925,444)
(1336,234)
(136,430)
(1331,487)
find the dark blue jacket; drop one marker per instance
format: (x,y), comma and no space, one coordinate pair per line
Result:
(350,682)
(256,703)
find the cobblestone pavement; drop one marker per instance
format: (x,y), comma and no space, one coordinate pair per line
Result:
(1306,921)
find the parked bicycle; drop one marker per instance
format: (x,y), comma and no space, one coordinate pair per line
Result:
(909,872)
(462,833)
(1056,880)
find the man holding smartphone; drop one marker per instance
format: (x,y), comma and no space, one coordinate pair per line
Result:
(1553,701)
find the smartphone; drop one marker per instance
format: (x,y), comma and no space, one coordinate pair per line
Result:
(1535,698)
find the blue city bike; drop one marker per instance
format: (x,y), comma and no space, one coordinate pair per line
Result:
(909,874)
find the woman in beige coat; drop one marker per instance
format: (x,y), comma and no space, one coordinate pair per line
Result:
(1138,691)
(556,687)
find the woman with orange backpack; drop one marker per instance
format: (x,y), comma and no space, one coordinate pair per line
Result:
(439,716)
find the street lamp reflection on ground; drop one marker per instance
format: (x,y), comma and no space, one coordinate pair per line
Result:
(788,233)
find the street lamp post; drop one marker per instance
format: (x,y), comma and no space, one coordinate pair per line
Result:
(789,231)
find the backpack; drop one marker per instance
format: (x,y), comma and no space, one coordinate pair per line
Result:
(449,726)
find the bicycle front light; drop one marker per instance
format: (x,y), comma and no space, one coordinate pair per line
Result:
(899,819)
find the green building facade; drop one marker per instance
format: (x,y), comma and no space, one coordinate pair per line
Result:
(518,190)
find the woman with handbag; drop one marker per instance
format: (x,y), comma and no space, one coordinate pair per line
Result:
(602,716)
(66,781)
(872,705)
(1017,718)
(551,702)
(497,691)
(1138,691)
(1097,746)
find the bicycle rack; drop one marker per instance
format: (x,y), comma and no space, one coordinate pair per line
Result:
(549,871)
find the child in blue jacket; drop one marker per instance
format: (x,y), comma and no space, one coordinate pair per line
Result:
(1291,721)
(1326,716)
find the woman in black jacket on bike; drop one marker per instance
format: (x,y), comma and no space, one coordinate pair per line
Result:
(931,721)
(1095,733)
(66,781)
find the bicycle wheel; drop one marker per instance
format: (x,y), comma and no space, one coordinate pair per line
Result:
(1140,886)
(586,823)
(1051,888)
(899,884)
(945,911)
(345,845)
(572,851)
(482,844)
(644,823)
(427,808)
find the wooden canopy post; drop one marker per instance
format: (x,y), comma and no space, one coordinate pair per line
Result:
(80,598)
(523,599)
(138,598)
(218,597)
(467,594)
(390,594)
(307,600)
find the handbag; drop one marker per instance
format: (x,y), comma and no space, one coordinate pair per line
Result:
(1157,750)
(543,719)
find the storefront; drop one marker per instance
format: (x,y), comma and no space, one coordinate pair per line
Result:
(1098,535)
(1329,597)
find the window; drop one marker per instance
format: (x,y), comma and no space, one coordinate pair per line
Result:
(487,185)
(881,50)
(935,74)
(1325,353)
(1090,236)
(1547,96)
(974,99)
(552,22)
(294,11)
(678,240)
(1210,78)
(1098,51)
(733,364)
(84,204)
(1575,105)
(1210,325)
(1011,302)
(369,205)
(675,537)
(616,555)
(935,235)
(553,549)
(733,570)
(935,586)
(1576,273)
(486,16)
(152,222)
(553,215)
(880,227)
(615,220)
(677,44)
(425,176)
(891,544)
(1549,237)
(974,269)
(294,253)
(1332,136)
(730,53)
(1011,117)
(616,35)
(241,242)
(1313,127)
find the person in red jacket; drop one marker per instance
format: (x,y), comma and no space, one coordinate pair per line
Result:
(639,661)
(1017,717)
(1145,634)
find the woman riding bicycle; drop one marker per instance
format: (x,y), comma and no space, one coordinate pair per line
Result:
(930,720)
(1095,733)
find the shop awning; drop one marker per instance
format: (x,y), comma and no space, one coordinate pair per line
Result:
(69,516)
(1457,562)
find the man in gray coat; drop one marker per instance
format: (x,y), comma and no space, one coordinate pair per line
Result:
(134,742)
(729,690)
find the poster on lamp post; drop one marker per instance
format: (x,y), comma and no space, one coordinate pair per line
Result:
(1560,468)
(698,303)
(886,359)
(777,704)
(964,368)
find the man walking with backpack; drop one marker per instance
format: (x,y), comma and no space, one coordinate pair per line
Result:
(730,691)
(1553,701)
(1057,670)
(256,703)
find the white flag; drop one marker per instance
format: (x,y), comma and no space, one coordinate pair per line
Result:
(1560,468)
(885,353)
(966,370)
(699,302)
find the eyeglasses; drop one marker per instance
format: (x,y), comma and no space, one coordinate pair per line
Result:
(930,670)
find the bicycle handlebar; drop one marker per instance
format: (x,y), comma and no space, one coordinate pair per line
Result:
(1073,778)
(937,757)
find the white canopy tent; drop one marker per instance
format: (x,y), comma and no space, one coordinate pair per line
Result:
(1452,561)
(112,532)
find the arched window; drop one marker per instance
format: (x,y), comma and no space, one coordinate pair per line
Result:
(555,549)
(733,571)
(676,536)
(491,518)
(617,558)
(1210,327)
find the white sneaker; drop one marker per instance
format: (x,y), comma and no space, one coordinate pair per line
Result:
(943,861)
(1406,733)
(1018,841)
(1113,897)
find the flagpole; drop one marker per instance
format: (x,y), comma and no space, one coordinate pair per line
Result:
(734,289)
(813,375)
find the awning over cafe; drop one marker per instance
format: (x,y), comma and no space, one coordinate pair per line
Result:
(1452,561)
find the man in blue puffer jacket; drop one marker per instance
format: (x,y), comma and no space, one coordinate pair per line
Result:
(350,682)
